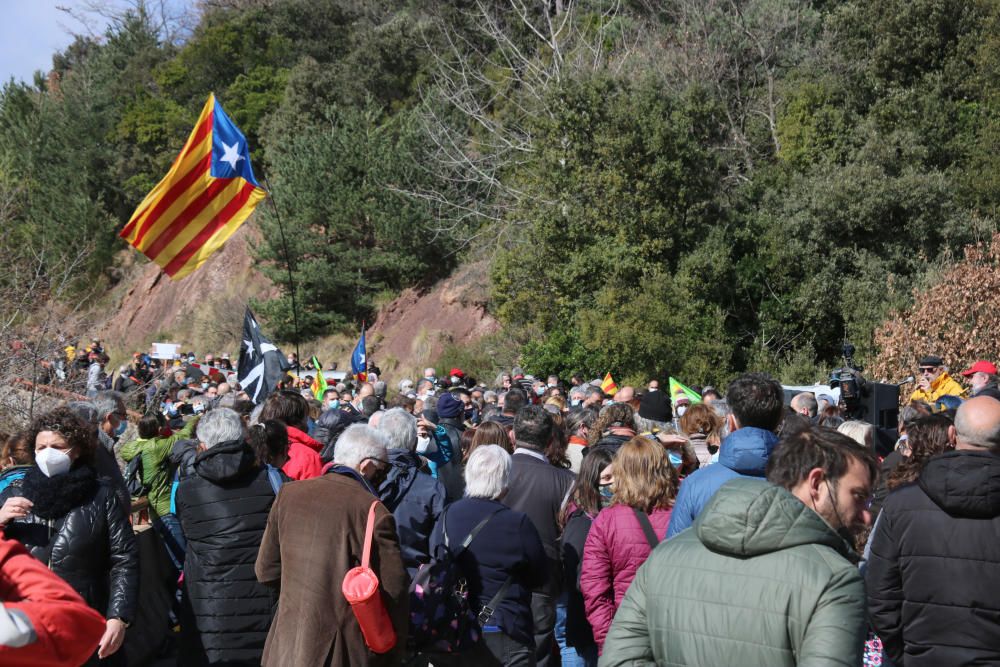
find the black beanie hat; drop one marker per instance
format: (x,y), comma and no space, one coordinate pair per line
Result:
(449,407)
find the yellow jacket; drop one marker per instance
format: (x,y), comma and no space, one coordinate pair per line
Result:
(944,385)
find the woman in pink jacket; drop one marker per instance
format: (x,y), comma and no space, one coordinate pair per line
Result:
(623,535)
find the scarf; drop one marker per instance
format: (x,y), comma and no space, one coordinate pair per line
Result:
(54,497)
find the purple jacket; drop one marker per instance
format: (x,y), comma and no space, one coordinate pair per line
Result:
(616,546)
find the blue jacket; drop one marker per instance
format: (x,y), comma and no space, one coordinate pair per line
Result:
(508,545)
(743,454)
(416,500)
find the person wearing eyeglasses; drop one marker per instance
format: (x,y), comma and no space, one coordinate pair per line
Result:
(933,381)
(315,533)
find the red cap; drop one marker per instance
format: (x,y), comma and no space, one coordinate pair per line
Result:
(457,372)
(980,367)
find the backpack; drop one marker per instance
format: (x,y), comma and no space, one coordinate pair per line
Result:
(134,483)
(441,617)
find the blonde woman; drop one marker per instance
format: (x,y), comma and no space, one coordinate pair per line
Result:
(623,535)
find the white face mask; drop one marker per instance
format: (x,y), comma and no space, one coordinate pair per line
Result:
(424,445)
(681,409)
(52,461)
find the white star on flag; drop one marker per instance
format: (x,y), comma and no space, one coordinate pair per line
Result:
(231,155)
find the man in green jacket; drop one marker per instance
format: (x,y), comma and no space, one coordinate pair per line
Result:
(157,475)
(765,575)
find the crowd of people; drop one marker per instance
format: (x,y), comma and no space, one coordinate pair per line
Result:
(519,522)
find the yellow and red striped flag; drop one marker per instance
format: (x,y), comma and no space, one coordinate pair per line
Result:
(608,386)
(208,193)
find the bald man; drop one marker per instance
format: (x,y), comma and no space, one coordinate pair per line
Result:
(934,552)
(625,395)
(805,404)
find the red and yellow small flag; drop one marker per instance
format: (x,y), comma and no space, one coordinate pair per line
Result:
(608,386)
(208,193)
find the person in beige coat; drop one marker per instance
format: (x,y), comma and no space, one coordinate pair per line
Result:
(315,534)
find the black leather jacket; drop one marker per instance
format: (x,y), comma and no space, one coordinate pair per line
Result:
(92,548)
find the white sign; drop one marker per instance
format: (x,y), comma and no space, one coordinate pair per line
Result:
(165,350)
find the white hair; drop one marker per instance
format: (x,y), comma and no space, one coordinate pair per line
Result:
(219,425)
(357,443)
(722,409)
(400,429)
(487,472)
(858,431)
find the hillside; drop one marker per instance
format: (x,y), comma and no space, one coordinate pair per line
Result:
(204,312)
(689,188)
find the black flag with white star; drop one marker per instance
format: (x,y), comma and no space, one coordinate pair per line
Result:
(261,364)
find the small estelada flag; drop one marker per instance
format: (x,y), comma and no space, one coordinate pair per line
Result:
(608,386)
(359,358)
(208,193)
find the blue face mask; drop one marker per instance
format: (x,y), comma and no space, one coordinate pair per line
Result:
(334,405)
(675,459)
(121,428)
(606,492)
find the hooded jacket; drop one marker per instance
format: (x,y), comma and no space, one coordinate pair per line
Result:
(943,385)
(934,570)
(416,500)
(760,580)
(303,455)
(744,453)
(223,508)
(615,549)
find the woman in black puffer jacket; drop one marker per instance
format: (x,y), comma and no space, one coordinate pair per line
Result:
(223,507)
(71,519)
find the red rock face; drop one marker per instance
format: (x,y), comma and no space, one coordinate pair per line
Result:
(208,304)
(415,326)
(204,311)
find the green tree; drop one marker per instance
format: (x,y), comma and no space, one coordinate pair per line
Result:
(350,236)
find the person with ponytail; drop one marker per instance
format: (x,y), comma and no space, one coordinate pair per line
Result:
(590,494)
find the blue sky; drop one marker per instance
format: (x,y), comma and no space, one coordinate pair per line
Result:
(30,32)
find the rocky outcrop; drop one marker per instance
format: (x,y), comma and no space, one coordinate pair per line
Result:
(203,311)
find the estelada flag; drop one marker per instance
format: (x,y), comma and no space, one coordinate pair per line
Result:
(208,193)
(359,358)
(318,385)
(608,386)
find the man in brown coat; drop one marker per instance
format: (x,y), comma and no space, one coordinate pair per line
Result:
(315,534)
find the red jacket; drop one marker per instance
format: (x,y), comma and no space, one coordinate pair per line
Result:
(66,629)
(303,455)
(615,548)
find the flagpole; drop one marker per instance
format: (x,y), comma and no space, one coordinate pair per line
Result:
(288,265)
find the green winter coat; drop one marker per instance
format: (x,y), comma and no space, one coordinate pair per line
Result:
(156,470)
(759,579)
